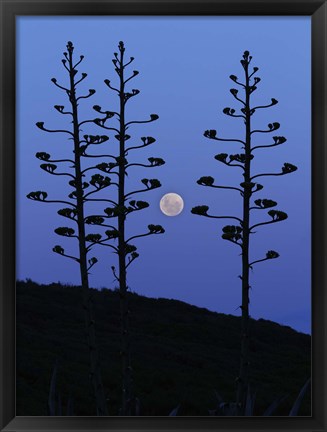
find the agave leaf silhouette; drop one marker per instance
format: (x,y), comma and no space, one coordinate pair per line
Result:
(249,405)
(52,391)
(296,406)
(274,405)
(70,406)
(174,412)
(59,409)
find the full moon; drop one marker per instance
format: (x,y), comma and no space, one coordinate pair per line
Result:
(171,204)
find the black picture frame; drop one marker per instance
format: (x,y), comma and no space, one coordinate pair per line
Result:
(318,12)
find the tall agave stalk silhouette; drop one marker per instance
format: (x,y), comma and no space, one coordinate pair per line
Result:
(75,208)
(126,251)
(239,234)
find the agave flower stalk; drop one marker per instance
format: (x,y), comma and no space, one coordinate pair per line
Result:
(126,251)
(239,234)
(75,207)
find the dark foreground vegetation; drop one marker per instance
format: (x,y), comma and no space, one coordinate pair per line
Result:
(182,354)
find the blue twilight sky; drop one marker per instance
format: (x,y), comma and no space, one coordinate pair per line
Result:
(184,65)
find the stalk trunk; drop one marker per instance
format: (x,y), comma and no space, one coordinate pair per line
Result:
(243,379)
(95,375)
(127,392)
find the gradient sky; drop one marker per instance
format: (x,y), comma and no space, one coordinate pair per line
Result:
(184,65)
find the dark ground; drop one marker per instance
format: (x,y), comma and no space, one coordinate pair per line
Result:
(181,354)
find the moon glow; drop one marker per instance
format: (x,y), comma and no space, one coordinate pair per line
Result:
(171,204)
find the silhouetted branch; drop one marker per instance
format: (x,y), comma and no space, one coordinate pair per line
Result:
(222,157)
(97,121)
(92,261)
(102,200)
(95,239)
(234,78)
(46,157)
(153,117)
(135,73)
(113,269)
(278,140)
(103,243)
(137,205)
(109,114)
(40,125)
(154,162)
(233,234)
(91,93)
(153,229)
(95,191)
(98,156)
(59,86)
(263,204)
(60,251)
(235,242)
(134,255)
(50,168)
(208,181)
(202,211)
(230,112)
(273,102)
(286,169)
(66,232)
(68,213)
(64,62)
(211,134)
(107,82)
(84,75)
(255,69)
(128,63)
(88,220)
(59,160)
(234,92)
(271,127)
(154,184)
(32,196)
(60,109)
(146,141)
(270,255)
(223,217)
(277,216)
(100,122)
(80,61)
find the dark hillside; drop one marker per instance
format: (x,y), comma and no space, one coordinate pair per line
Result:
(181,353)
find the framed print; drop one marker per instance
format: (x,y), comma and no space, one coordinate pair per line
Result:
(163,208)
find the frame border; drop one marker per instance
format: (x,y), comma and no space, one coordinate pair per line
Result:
(9,9)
